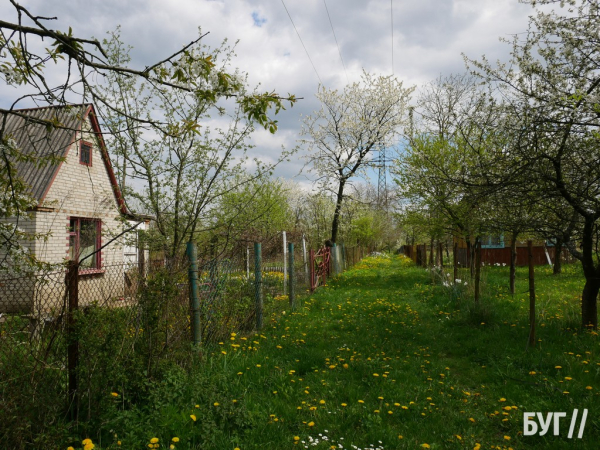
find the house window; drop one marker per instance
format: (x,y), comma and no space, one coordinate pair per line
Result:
(85,153)
(492,241)
(84,240)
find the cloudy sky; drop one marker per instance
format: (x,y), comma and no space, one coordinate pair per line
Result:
(426,40)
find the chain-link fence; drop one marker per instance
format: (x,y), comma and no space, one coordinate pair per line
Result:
(70,338)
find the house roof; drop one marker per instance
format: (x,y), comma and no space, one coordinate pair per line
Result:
(48,133)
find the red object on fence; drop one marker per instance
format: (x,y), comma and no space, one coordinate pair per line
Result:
(319,266)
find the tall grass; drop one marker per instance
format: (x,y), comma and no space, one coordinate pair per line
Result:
(387,357)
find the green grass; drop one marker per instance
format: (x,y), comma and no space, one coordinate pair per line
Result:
(383,357)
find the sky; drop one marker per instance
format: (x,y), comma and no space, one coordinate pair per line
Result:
(416,41)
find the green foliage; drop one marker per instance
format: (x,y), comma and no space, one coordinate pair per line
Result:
(380,354)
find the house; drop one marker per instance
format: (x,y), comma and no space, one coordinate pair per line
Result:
(79,207)
(495,250)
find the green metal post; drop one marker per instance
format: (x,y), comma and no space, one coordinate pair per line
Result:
(258,285)
(291,290)
(194,297)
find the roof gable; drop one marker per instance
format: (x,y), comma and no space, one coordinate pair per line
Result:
(49,133)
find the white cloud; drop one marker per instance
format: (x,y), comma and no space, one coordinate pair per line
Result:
(429,37)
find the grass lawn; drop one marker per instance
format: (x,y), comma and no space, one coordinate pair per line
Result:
(384,357)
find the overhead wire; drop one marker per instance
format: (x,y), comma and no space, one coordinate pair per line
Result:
(302,42)
(392,20)
(336,41)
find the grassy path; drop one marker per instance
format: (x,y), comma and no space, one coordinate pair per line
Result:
(381,358)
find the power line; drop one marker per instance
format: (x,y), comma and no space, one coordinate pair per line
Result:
(392,20)
(336,41)
(309,58)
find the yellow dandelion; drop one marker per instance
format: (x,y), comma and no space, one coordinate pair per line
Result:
(193,417)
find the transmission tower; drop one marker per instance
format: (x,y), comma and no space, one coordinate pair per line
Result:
(382,182)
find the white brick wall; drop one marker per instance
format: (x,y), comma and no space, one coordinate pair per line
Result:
(77,191)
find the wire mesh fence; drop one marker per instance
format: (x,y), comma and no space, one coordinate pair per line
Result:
(67,342)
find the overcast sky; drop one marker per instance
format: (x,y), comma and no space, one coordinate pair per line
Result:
(427,38)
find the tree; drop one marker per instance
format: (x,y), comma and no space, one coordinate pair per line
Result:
(179,169)
(350,126)
(185,74)
(256,211)
(552,90)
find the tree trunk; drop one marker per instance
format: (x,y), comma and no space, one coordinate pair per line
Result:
(557,256)
(513,262)
(441,253)
(335,225)
(589,304)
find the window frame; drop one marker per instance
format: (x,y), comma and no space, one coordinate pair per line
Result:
(90,153)
(486,241)
(74,231)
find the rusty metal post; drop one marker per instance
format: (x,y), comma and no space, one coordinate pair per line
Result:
(311,258)
(477,260)
(72,286)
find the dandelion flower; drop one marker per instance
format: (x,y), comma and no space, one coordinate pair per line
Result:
(193,417)
(154,440)
(311,424)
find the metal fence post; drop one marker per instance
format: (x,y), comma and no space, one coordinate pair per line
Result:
(73,341)
(306,274)
(284,262)
(258,284)
(531,341)
(291,290)
(194,297)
